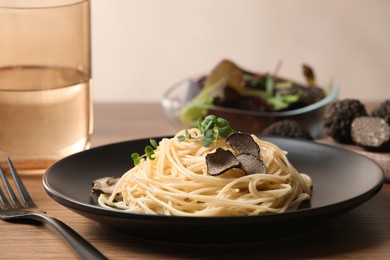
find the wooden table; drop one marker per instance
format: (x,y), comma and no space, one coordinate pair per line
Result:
(363,233)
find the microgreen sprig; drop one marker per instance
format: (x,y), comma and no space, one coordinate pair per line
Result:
(149,152)
(212,128)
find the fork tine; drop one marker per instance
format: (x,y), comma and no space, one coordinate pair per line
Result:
(3,200)
(14,200)
(27,200)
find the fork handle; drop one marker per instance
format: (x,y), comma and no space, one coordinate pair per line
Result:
(81,246)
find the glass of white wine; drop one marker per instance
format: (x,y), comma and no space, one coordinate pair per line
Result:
(45,80)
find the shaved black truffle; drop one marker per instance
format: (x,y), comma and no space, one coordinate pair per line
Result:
(251,164)
(383,111)
(221,161)
(287,128)
(339,117)
(243,143)
(104,185)
(372,133)
(248,158)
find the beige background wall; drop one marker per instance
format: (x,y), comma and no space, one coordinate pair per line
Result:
(140,47)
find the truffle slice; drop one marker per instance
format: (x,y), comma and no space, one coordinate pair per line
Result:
(221,161)
(104,185)
(243,143)
(251,164)
(372,133)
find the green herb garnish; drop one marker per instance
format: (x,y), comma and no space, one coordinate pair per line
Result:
(149,152)
(212,128)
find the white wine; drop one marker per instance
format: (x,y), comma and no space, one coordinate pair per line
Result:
(45,113)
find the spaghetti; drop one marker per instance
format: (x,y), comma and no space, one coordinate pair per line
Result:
(176,182)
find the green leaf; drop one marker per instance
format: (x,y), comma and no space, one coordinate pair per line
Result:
(283,85)
(221,122)
(277,102)
(291,98)
(188,134)
(270,85)
(208,122)
(181,138)
(199,138)
(149,152)
(208,142)
(208,137)
(225,131)
(136,158)
(208,133)
(154,143)
(223,127)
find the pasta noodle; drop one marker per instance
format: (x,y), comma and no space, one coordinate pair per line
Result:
(176,183)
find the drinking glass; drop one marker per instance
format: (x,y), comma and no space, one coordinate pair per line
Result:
(45,80)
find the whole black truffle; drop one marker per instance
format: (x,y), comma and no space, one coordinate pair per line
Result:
(383,111)
(287,128)
(339,116)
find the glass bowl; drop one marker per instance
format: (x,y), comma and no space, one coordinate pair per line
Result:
(180,94)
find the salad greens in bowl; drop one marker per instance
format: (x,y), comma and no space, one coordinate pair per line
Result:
(250,101)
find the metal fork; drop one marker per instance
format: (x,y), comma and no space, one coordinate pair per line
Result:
(12,209)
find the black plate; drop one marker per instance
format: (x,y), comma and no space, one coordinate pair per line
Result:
(342,180)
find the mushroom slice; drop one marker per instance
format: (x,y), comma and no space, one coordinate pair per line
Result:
(104,185)
(221,161)
(243,143)
(251,164)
